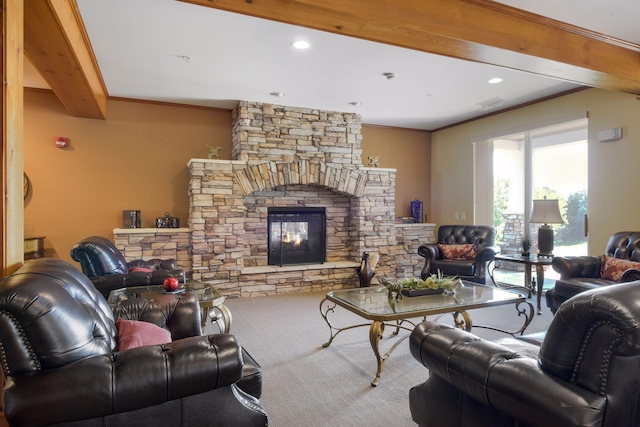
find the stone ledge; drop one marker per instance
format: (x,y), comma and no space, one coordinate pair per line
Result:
(416,224)
(117,231)
(278,269)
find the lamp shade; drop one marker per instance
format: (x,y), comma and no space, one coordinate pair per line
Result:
(546,211)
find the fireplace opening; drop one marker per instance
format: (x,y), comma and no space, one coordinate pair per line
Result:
(296,236)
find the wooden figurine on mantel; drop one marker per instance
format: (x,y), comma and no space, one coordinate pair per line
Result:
(214,152)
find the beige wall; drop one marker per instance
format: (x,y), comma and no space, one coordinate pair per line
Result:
(409,151)
(137,159)
(613,167)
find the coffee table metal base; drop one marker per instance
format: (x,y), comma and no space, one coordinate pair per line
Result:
(376,329)
(215,313)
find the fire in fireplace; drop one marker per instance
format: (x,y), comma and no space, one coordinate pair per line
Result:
(296,236)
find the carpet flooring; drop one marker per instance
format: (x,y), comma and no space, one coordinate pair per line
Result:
(305,384)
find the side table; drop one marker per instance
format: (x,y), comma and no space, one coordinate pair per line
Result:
(528,261)
(212,308)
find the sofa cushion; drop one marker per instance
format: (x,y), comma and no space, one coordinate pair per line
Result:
(467,251)
(613,268)
(134,333)
(566,288)
(465,267)
(140,270)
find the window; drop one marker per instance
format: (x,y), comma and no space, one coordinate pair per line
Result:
(515,168)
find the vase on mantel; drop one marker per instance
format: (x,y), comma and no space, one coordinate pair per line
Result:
(365,273)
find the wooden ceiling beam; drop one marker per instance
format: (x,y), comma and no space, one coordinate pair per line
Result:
(56,43)
(475,30)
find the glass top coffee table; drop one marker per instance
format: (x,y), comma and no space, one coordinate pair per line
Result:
(212,308)
(384,308)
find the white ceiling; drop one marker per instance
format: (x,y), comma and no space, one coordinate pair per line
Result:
(171,51)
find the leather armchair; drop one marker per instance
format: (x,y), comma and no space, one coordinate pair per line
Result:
(474,270)
(107,268)
(61,363)
(584,372)
(582,273)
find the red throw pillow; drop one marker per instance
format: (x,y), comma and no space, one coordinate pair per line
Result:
(613,268)
(140,269)
(467,251)
(134,333)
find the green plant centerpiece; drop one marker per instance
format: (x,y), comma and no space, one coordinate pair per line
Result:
(411,286)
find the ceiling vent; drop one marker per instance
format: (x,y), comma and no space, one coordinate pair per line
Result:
(491,103)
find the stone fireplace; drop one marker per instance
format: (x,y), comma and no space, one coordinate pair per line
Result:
(286,158)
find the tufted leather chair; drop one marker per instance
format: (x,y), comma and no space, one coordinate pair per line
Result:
(61,364)
(107,268)
(581,273)
(474,270)
(584,372)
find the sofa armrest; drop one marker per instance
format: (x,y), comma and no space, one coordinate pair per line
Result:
(430,252)
(630,275)
(486,253)
(577,266)
(124,381)
(503,379)
(180,314)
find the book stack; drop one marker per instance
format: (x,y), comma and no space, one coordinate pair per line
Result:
(130,219)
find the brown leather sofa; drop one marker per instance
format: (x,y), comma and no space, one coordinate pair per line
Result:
(585,372)
(107,268)
(582,273)
(61,364)
(475,269)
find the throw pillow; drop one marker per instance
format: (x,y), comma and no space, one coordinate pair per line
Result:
(140,270)
(134,333)
(613,268)
(467,251)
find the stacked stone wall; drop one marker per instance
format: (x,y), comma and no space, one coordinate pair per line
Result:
(149,243)
(276,133)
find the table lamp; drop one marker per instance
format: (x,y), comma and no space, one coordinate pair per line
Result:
(546,211)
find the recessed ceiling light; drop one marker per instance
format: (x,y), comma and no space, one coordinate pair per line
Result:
(495,80)
(301,44)
(277,94)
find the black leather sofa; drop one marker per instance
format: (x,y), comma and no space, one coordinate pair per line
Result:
(60,358)
(582,273)
(585,371)
(107,268)
(474,269)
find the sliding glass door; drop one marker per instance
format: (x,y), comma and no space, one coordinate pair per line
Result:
(546,162)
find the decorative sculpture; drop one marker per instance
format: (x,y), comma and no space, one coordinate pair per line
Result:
(373,161)
(365,272)
(214,152)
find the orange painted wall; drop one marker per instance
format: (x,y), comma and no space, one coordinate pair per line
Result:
(137,159)
(408,151)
